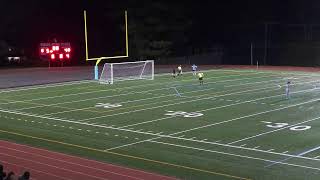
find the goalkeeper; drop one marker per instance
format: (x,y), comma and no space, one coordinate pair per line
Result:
(200,76)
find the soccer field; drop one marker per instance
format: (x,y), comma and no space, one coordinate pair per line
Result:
(238,125)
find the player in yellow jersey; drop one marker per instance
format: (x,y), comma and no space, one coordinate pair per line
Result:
(200,76)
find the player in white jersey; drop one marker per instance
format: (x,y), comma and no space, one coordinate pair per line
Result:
(288,89)
(194,69)
(179,70)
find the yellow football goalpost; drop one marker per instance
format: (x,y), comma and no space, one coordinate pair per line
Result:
(99,59)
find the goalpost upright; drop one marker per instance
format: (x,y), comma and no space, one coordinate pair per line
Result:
(99,59)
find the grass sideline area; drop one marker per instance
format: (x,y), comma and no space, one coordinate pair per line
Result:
(238,125)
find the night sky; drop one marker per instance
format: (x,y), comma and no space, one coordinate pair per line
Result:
(26,23)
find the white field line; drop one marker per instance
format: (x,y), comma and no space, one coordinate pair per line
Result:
(45,86)
(172,104)
(170,135)
(124,102)
(218,123)
(217,107)
(272,71)
(214,70)
(143,85)
(88,81)
(236,155)
(255,149)
(280,80)
(80,109)
(301,154)
(269,132)
(131,87)
(152,107)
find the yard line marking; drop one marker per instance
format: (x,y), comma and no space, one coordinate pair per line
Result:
(300,154)
(270,150)
(256,147)
(267,122)
(217,107)
(218,123)
(114,95)
(285,152)
(277,80)
(129,107)
(45,86)
(144,85)
(243,145)
(102,97)
(171,135)
(268,132)
(177,92)
(235,155)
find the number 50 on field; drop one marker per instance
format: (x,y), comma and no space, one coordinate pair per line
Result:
(284,125)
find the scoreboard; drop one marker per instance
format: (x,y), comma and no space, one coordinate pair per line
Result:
(55,51)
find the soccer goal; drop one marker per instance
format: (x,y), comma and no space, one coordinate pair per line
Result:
(113,72)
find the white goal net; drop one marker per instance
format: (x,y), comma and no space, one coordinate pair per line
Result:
(113,72)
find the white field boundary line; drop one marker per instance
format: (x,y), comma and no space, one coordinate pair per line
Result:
(214,70)
(139,85)
(276,130)
(183,102)
(160,83)
(144,85)
(218,123)
(52,166)
(300,154)
(117,94)
(184,98)
(138,110)
(236,155)
(213,108)
(123,102)
(66,162)
(45,86)
(158,136)
(88,81)
(272,71)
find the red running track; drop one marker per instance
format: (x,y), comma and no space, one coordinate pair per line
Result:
(48,165)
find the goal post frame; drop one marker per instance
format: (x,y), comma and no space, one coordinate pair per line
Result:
(136,70)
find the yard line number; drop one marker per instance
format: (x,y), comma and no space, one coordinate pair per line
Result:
(107,105)
(183,114)
(282,125)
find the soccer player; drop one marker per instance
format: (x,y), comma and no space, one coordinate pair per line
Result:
(194,69)
(174,72)
(179,70)
(288,89)
(200,76)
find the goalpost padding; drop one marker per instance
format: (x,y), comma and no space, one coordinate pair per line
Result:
(113,72)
